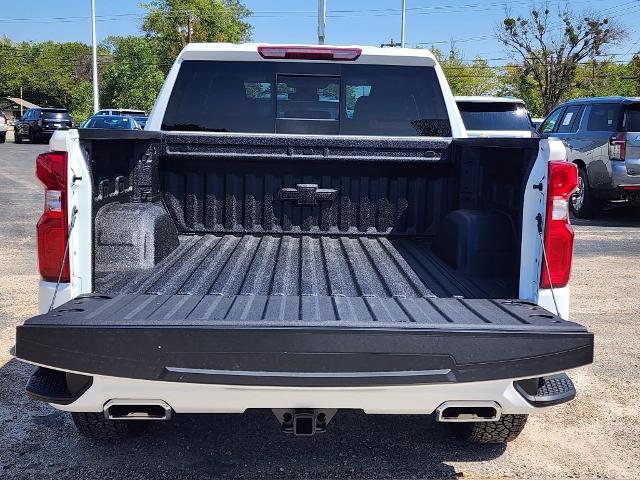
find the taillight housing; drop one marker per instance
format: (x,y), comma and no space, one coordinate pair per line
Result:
(52,230)
(618,146)
(309,53)
(558,232)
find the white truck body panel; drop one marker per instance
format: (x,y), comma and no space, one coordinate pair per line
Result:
(203,398)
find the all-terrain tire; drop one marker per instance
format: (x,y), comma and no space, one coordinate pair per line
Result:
(96,426)
(504,430)
(3,137)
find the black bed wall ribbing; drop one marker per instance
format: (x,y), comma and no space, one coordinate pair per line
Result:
(243,196)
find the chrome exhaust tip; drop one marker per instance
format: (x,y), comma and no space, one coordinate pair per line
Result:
(470,411)
(137,410)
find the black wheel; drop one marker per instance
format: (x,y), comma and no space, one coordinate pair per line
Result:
(95,425)
(583,204)
(3,137)
(16,137)
(502,431)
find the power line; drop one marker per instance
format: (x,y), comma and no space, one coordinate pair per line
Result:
(337,13)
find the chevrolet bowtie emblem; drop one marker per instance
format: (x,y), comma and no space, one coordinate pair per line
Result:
(308,194)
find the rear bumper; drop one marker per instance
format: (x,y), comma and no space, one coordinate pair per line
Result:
(620,180)
(621,177)
(216,398)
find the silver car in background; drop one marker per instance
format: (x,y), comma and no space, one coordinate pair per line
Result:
(602,137)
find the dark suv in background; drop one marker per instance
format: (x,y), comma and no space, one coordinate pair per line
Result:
(602,137)
(38,124)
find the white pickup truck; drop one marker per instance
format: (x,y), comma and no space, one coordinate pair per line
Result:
(304,229)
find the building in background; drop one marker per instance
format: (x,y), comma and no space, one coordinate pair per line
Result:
(10,106)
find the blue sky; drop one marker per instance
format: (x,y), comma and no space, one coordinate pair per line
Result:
(469,23)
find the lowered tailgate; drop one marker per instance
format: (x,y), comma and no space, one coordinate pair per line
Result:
(303,340)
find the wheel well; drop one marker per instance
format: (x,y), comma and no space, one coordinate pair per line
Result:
(580,164)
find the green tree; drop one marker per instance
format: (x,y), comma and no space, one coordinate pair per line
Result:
(10,73)
(172,24)
(50,73)
(552,54)
(602,78)
(132,77)
(475,78)
(517,81)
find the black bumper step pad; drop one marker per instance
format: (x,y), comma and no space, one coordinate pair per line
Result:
(550,390)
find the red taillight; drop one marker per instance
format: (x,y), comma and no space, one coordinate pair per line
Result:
(52,233)
(618,146)
(309,53)
(558,233)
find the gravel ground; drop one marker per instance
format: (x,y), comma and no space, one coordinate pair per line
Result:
(594,436)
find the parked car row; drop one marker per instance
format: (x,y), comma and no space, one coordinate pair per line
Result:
(39,124)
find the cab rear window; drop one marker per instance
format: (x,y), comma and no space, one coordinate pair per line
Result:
(304,98)
(494,116)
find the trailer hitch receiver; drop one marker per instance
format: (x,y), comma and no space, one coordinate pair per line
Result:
(304,422)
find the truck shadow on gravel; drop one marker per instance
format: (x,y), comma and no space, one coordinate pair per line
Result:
(42,442)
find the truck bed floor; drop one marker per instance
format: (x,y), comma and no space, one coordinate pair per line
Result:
(302,265)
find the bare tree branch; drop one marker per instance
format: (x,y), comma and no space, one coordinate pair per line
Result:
(552,51)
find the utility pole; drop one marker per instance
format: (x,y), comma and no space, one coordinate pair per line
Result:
(322,17)
(189,27)
(404,20)
(96,100)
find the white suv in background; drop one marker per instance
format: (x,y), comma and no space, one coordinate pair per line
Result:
(485,116)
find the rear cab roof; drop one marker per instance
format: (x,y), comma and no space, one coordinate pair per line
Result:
(249,52)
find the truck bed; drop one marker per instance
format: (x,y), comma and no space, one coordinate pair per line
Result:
(287,265)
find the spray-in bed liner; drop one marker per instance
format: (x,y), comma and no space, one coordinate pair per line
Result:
(288,265)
